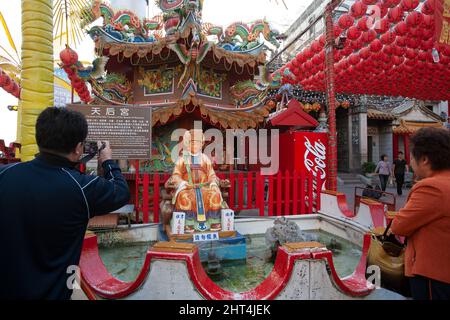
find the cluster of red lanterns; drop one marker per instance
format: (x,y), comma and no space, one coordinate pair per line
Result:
(393,55)
(8,84)
(69,60)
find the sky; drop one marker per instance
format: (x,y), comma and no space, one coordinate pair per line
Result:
(221,12)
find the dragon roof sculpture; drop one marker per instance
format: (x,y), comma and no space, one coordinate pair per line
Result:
(179,20)
(177,62)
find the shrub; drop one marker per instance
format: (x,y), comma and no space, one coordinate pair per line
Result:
(368,167)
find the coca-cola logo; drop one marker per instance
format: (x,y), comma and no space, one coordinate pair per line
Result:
(316,163)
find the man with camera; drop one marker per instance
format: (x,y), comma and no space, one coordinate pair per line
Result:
(45,206)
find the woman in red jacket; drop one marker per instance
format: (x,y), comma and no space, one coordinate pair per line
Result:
(425,220)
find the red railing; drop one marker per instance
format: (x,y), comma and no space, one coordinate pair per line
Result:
(288,193)
(8,154)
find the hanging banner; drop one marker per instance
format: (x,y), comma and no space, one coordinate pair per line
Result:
(442,18)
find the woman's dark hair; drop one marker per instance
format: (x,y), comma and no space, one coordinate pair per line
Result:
(433,143)
(382,157)
(60,129)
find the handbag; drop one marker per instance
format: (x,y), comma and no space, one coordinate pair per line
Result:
(390,244)
(388,254)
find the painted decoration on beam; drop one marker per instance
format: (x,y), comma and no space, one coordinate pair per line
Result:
(210,84)
(442,17)
(156,81)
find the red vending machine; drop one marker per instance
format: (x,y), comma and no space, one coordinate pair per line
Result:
(305,151)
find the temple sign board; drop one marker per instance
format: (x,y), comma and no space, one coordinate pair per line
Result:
(127,128)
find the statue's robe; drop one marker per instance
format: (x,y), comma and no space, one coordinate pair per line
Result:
(202,204)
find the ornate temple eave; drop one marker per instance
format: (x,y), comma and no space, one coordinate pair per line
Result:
(227,118)
(126,50)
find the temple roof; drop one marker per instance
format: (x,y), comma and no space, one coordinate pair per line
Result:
(293,116)
(375,114)
(410,127)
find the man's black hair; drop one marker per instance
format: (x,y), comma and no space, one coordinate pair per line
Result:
(400,152)
(60,129)
(433,143)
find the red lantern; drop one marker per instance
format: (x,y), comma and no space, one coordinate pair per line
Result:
(414,19)
(387,50)
(390,3)
(411,53)
(368,36)
(395,14)
(398,60)
(427,44)
(412,43)
(358,9)
(388,38)
(398,51)
(300,58)
(376,45)
(382,26)
(416,32)
(346,21)
(369,2)
(353,33)
(428,21)
(379,13)
(400,41)
(409,5)
(364,53)
(68,56)
(322,41)
(315,46)
(365,23)
(428,7)
(337,30)
(356,45)
(307,52)
(401,28)
(354,59)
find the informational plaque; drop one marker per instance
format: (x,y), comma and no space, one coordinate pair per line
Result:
(127,128)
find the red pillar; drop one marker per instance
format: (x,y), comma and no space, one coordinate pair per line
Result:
(406,140)
(331,99)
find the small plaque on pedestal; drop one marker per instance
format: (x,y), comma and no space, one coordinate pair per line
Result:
(211,236)
(227,220)
(177,223)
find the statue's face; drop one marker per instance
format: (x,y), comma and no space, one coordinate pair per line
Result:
(196,146)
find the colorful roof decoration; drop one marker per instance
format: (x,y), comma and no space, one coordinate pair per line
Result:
(178,65)
(123,32)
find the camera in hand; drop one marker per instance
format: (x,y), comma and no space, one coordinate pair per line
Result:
(91,150)
(91,147)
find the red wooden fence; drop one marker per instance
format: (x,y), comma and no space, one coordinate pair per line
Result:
(288,193)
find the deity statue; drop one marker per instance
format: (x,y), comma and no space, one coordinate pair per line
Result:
(197,187)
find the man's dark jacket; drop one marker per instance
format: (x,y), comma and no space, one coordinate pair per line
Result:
(45,206)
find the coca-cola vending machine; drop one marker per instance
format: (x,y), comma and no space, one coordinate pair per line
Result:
(307,152)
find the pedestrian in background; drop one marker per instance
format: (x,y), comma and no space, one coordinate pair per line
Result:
(384,171)
(425,220)
(400,168)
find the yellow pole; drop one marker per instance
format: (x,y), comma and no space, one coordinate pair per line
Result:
(37,70)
